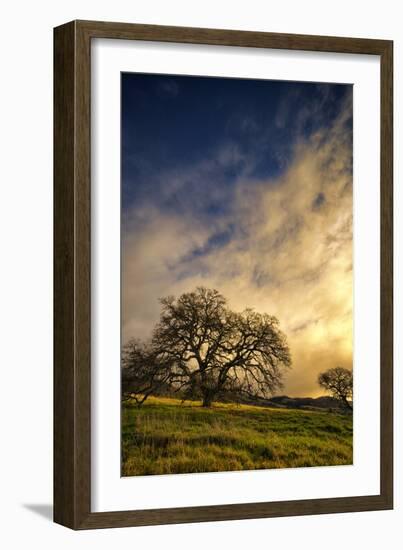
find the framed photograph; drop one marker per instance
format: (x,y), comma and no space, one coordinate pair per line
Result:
(223,305)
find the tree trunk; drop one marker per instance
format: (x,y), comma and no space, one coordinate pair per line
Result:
(207,399)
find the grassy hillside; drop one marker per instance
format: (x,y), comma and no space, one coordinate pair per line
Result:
(167,437)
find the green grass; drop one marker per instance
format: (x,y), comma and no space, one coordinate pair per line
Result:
(164,436)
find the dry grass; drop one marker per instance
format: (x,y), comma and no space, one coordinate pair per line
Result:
(165,436)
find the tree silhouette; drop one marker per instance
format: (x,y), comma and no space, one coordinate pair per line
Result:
(201,347)
(144,371)
(339,382)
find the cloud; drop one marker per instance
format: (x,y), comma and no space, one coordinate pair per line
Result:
(283,246)
(168,87)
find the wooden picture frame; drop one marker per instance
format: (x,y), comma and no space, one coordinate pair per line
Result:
(72,270)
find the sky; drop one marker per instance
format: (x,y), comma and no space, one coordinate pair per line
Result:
(244,186)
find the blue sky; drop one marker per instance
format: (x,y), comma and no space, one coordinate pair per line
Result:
(176,122)
(244,185)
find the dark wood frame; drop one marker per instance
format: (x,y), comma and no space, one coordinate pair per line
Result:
(72,292)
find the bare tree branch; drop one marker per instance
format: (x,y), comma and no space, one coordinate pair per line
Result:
(211,350)
(339,382)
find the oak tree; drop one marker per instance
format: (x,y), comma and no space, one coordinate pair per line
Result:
(144,371)
(339,382)
(213,351)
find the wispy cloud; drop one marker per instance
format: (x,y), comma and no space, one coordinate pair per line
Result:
(168,87)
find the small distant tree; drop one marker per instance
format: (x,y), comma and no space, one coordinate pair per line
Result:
(144,371)
(339,382)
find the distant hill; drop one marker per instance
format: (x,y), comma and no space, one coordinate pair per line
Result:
(307,403)
(323,403)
